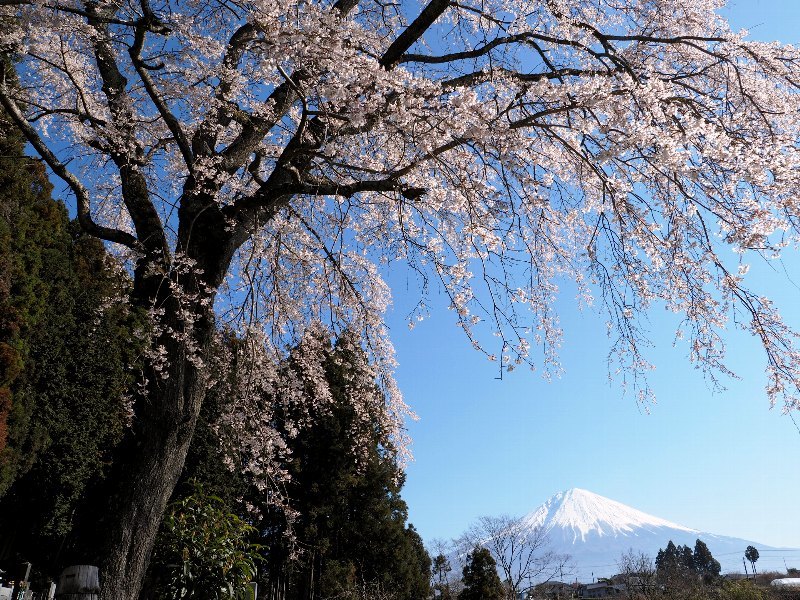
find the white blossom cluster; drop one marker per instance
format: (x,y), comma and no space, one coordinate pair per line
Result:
(266,405)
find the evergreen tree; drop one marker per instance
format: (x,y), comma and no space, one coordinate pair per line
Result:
(351,523)
(29,226)
(480,578)
(15,184)
(668,562)
(677,565)
(704,563)
(350,529)
(686,559)
(64,362)
(441,585)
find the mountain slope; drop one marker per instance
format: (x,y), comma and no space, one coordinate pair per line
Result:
(596,531)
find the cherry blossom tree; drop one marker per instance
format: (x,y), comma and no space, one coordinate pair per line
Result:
(262,164)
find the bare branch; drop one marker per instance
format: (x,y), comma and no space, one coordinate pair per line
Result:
(135,192)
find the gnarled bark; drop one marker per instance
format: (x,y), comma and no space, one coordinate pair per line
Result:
(154,457)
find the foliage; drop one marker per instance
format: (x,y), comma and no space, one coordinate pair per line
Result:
(480,578)
(347,535)
(673,562)
(677,565)
(704,563)
(31,228)
(441,587)
(742,590)
(66,361)
(626,130)
(204,551)
(16,182)
(344,483)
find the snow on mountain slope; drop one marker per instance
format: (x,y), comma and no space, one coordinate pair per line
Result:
(596,531)
(585,513)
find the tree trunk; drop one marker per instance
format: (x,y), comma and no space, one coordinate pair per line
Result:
(165,418)
(152,463)
(152,480)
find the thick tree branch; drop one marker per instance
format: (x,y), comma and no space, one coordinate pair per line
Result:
(145,24)
(280,100)
(413,32)
(274,196)
(205,139)
(135,193)
(466,54)
(469,79)
(295,159)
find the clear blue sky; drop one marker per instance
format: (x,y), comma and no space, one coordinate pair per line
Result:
(719,462)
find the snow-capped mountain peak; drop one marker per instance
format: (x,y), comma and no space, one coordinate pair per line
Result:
(596,531)
(584,513)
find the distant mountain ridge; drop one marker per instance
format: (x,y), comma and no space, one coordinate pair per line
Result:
(595,531)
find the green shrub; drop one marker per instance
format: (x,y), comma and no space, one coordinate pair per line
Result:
(203,551)
(742,590)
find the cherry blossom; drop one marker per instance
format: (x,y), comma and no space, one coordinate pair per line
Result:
(262,165)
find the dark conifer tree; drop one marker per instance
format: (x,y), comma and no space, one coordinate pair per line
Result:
(351,523)
(667,562)
(350,531)
(704,563)
(686,559)
(441,584)
(480,578)
(65,363)
(681,565)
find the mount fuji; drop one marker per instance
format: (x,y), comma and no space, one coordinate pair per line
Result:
(595,531)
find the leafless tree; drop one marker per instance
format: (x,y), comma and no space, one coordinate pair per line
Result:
(638,572)
(522,552)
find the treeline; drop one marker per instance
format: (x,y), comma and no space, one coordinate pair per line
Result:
(678,563)
(331,525)
(685,573)
(66,359)
(678,573)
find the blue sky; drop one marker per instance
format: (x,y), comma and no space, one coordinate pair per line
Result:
(721,462)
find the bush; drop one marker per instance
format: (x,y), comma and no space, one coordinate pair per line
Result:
(203,551)
(742,590)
